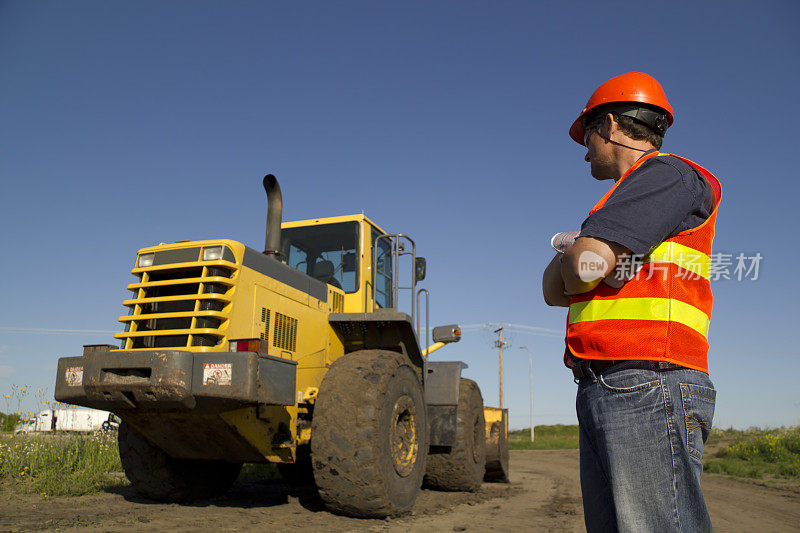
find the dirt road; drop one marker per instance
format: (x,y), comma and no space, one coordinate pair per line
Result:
(544,496)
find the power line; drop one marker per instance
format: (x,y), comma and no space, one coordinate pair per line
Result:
(517,328)
(49,331)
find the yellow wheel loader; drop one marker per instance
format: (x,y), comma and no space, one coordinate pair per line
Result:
(297,355)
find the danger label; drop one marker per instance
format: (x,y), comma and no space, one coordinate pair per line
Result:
(74,376)
(217,373)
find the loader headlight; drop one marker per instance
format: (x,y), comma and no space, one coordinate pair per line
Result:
(145,260)
(212,253)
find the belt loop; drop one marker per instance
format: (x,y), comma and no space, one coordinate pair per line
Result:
(578,372)
(582,369)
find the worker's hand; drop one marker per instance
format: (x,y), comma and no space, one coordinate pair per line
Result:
(553,285)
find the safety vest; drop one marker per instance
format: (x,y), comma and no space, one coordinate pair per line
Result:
(663,313)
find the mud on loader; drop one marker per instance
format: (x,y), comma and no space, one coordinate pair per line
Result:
(296,355)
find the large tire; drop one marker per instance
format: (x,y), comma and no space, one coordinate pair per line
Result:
(158,476)
(369,435)
(462,468)
(497,447)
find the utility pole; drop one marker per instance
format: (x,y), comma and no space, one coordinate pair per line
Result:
(499,345)
(530,359)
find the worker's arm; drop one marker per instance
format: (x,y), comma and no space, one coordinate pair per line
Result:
(587,262)
(553,284)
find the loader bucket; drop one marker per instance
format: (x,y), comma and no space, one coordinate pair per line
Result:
(496,444)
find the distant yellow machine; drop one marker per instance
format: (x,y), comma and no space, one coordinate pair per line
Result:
(296,355)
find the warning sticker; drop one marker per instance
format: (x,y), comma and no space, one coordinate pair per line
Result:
(74,376)
(217,373)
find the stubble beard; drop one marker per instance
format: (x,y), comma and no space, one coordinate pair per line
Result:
(601,170)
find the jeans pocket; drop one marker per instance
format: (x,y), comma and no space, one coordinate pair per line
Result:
(629,380)
(698,412)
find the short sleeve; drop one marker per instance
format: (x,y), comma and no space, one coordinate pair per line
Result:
(651,204)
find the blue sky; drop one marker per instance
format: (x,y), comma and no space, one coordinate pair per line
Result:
(129,124)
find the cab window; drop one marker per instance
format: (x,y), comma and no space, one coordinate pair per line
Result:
(326,252)
(383,271)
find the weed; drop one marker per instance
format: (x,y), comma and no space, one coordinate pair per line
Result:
(755,453)
(13,405)
(57,465)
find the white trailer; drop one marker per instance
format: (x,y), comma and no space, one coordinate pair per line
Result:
(41,422)
(80,419)
(83,420)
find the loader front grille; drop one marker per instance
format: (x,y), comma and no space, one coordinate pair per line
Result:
(179,306)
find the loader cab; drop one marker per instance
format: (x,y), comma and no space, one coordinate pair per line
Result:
(353,254)
(326,252)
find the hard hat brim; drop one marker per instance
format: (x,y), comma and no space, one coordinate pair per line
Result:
(577,131)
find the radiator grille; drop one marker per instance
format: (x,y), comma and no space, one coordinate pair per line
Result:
(265,320)
(285,335)
(338,302)
(178,307)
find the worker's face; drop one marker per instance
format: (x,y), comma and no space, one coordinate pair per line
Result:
(599,152)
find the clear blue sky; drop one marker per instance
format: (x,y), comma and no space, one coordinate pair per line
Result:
(126,124)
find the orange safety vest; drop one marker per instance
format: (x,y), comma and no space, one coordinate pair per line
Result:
(663,313)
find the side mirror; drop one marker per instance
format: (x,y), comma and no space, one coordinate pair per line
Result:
(419,268)
(447,334)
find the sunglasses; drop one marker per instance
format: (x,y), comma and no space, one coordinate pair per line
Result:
(592,125)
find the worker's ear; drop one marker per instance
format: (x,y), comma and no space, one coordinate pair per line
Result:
(610,125)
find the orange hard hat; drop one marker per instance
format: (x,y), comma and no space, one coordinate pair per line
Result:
(631,88)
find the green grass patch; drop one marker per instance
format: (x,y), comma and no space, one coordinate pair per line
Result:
(557,437)
(756,453)
(59,465)
(259,472)
(74,465)
(8,422)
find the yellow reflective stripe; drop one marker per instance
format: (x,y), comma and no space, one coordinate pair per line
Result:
(687,258)
(663,309)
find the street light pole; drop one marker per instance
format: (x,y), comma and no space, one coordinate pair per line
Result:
(530,360)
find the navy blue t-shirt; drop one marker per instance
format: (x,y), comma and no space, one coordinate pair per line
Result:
(662,197)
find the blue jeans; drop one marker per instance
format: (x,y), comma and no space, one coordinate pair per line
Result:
(643,425)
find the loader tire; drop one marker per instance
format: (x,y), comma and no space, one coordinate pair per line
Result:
(462,468)
(369,435)
(496,454)
(157,476)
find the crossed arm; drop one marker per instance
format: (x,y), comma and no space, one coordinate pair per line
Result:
(564,275)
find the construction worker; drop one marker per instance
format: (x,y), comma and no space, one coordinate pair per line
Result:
(636,282)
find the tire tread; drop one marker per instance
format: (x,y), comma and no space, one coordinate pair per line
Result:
(346,456)
(160,477)
(457,470)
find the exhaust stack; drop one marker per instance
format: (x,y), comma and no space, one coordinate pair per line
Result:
(272,241)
